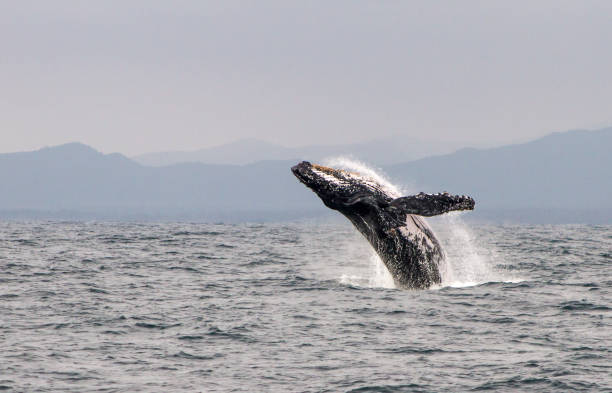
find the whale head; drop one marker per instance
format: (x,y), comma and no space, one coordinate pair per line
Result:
(339,189)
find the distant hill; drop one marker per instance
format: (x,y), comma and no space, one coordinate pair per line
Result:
(248,151)
(74,180)
(569,170)
(563,177)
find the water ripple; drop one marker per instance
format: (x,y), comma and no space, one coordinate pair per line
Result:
(299,307)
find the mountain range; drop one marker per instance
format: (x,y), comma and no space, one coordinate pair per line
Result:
(75,181)
(563,177)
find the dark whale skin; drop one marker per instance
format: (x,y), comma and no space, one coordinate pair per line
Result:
(395,227)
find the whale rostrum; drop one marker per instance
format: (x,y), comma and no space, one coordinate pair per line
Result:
(393,225)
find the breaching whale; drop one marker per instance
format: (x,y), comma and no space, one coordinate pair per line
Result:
(394,226)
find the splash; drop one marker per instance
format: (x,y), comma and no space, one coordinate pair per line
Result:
(467,262)
(377,275)
(380,278)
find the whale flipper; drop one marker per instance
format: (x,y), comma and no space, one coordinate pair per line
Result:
(432,204)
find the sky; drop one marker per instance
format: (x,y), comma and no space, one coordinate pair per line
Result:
(144,76)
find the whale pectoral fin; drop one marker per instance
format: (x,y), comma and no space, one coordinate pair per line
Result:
(432,204)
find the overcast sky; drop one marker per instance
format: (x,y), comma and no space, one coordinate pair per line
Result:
(142,76)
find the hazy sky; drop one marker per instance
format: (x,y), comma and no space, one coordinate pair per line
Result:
(141,76)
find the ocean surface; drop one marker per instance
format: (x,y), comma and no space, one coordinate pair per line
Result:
(300,307)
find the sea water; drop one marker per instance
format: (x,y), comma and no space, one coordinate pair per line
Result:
(300,307)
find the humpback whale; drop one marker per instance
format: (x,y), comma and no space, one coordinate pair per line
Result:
(394,226)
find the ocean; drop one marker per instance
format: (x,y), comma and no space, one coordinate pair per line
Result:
(300,307)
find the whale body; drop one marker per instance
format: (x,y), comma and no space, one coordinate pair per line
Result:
(394,226)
